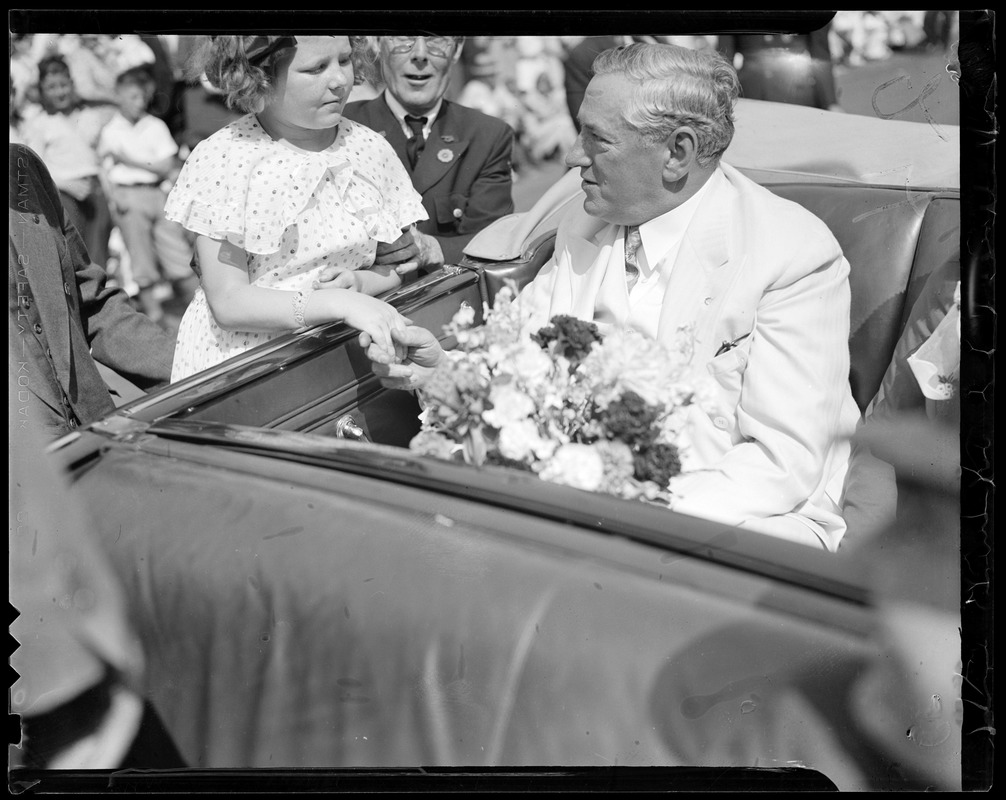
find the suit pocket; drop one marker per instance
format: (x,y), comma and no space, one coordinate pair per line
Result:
(450,210)
(728,369)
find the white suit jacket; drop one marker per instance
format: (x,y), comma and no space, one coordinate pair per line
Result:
(772,453)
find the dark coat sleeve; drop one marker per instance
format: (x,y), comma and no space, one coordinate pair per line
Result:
(578,70)
(577,76)
(490,196)
(119,336)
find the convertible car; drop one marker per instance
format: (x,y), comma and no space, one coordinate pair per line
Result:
(312,594)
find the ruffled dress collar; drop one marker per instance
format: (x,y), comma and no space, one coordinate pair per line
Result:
(246,187)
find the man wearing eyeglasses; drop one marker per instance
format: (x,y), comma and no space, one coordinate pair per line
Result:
(458,158)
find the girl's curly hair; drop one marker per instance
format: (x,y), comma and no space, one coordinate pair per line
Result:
(244,68)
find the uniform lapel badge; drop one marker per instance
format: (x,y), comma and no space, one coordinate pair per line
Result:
(446,156)
(448,138)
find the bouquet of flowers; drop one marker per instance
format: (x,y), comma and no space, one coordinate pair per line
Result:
(601,413)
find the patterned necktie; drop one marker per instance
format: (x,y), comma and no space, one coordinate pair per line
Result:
(632,242)
(416,142)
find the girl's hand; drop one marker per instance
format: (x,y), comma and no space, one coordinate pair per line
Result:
(335,278)
(378,320)
(410,371)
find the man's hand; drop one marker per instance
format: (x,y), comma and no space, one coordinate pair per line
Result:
(410,251)
(406,254)
(419,352)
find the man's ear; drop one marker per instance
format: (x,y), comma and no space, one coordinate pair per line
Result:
(457,52)
(682,148)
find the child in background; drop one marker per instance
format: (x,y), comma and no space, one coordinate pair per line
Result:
(140,156)
(281,195)
(64,134)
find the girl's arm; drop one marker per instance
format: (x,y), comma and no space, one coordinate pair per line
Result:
(373,281)
(162,167)
(237,305)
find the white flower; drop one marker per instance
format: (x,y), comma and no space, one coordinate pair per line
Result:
(464,317)
(618,464)
(528,363)
(496,353)
(552,398)
(520,440)
(576,465)
(510,404)
(432,443)
(630,361)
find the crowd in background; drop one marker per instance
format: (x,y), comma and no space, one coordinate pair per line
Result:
(66,90)
(103,113)
(858,37)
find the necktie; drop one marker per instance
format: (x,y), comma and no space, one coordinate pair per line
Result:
(416,142)
(632,242)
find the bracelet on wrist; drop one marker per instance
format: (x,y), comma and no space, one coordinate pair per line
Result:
(299,307)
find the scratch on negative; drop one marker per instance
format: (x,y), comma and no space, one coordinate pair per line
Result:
(514,672)
(287,532)
(910,201)
(927,90)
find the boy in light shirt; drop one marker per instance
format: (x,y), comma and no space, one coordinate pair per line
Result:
(140,158)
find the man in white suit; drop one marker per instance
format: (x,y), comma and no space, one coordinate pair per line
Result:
(759,281)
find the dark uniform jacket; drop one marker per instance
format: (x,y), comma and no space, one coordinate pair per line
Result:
(464,172)
(578,70)
(62,315)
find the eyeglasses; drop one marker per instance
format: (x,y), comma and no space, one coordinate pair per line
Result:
(435,45)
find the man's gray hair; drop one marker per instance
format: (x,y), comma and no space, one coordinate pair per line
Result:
(676,86)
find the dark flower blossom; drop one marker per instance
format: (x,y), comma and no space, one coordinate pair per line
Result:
(632,420)
(657,462)
(573,337)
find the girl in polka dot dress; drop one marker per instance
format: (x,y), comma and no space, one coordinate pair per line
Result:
(283,193)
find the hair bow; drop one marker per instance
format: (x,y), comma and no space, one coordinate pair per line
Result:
(259,48)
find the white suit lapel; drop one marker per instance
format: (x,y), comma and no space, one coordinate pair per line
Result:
(582,267)
(705,267)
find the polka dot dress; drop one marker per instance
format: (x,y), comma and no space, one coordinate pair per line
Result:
(294,213)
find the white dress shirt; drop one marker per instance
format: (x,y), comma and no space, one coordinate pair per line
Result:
(661,239)
(399,111)
(147,141)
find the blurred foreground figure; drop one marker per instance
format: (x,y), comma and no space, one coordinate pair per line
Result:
(908,703)
(78,662)
(886,719)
